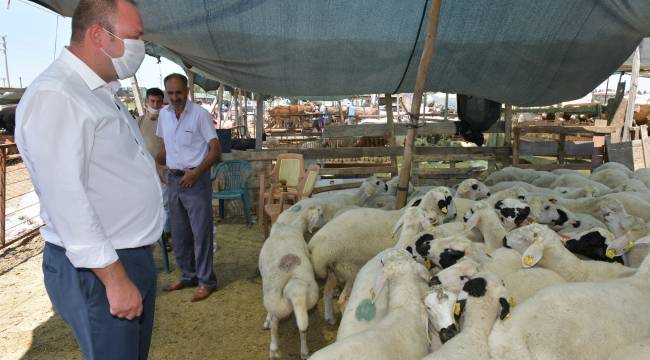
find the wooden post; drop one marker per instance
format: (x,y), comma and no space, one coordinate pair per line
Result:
(3,193)
(236,104)
(190,83)
(561,153)
(389,119)
(515,147)
(220,104)
(421,77)
(636,65)
(136,95)
(341,113)
(446,113)
(598,155)
(259,123)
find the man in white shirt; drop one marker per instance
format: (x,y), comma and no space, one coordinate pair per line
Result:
(148,124)
(96,182)
(190,149)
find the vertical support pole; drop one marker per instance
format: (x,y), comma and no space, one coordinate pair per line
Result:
(4,50)
(515,146)
(636,66)
(446,113)
(598,154)
(3,193)
(259,123)
(220,104)
(421,77)
(508,130)
(341,113)
(561,152)
(136,95)
(390,124)
(190,83)
(235,97)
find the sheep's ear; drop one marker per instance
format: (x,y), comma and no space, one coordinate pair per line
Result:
(380,281)
(505,308)
(472,221)
(314,217)
(424,273)
(398,226)
(619,247)
(461,191)
(533,254)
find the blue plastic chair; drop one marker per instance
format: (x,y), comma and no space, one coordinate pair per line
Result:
(236,174)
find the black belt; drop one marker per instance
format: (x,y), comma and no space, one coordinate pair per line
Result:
(178,173)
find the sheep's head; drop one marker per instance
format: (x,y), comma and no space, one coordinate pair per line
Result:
(418,218)
(393,184)
(596,244)
(529,241)
(512,212)
(546,212)
(397,263)
(612,212)
(455,276)
(313,217)
(439,303)
(484,288)
(373,186)
(439,200)
(472,189)
(442,252)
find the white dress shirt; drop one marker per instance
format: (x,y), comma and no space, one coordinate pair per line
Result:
(186,139)
(95,179)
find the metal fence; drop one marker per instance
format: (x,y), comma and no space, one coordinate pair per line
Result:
(19,205)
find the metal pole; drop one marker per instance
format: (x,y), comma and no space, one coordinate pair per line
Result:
(446,114)
(423,71)
(4,50)
(636,66)
(259,123)
(20,79)
(136,95)
(220,104)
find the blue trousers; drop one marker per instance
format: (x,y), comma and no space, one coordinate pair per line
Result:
(79,297)
(190,210)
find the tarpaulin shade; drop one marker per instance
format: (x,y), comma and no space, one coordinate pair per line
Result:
(511,51)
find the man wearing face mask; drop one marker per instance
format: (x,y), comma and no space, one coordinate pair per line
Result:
(148,123)
(98,187)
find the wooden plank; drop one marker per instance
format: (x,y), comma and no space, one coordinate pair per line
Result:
(508,123)
(515,146)
(565,130)
(351,152)
(429,128)
(430,173)
(598,152)
(549,167)
(634,80)
(618,121)
(645,142)
(259,122)
(560,149)
(3,194)
(362,170)
(350,185)
(551,148)
(619,152)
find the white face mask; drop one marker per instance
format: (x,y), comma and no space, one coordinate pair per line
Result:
(152,111)
(126,65)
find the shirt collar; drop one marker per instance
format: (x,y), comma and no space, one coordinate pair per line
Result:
(187,108)
(92,80)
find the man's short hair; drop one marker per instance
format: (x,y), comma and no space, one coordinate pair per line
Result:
(89,12)
(155,92)
(178,76)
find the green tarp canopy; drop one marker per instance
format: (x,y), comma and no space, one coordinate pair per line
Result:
(512,51)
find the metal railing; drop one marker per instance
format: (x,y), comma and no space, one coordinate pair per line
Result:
(19,205)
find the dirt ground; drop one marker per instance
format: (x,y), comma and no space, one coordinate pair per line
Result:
(228,325)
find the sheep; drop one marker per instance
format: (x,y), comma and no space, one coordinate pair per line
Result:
(540,245)
(561,219)
(577,321)
(439,199)
(637,351)
(617,166)
(287,275)
(636,204)
(538,178)
(387,201)
(611,177)
(412,222)
(402,332)
(644,176)
(576,180)
(512,212)
(335,203)
(631,185)
(472,189)
(482,301)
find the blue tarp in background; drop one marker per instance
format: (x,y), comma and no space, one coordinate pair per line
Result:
(511,51)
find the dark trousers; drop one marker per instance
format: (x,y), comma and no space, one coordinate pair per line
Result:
(190,210)
(79,297)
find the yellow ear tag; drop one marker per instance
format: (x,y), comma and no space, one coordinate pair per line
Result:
(630,244)
(444,210)
(533,220)
(511,301)
(611,253)
(428,264)
(457,309)
(552,200)
(528,260)
(372,294)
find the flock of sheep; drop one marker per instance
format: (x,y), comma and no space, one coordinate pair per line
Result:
(525,265)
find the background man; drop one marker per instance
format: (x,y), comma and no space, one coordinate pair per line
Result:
(190,149)
(148,124)
(97,186)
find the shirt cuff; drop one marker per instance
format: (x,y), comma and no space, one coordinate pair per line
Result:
(91,256)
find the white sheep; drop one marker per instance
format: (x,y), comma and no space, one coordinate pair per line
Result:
(402,332)
(611,177)
(614,165)
(560,219)
(539,245)
(590,320)
(485,301)
(637,204)
(512,213)
(576,180)
(387,201)
(288,279)
(538,178)
(643,175)
(413,221)
(472,189)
